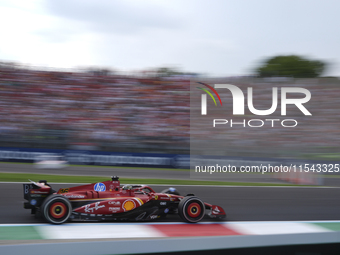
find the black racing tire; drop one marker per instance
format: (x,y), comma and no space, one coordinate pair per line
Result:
(56,209)
(191,209)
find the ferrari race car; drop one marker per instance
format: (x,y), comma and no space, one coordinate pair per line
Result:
(111,201)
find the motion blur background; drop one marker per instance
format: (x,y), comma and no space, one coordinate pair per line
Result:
(111,79)
(112,75)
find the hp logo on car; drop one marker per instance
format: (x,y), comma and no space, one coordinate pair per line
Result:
(99,187)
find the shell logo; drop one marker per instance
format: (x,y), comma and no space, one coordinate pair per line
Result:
(129,205)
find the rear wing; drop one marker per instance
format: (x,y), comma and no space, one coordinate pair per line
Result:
(36,193)
(27,187)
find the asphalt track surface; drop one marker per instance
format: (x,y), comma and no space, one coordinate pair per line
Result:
(240,203)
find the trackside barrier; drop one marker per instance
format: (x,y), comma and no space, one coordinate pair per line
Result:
(88,157)
(91,157)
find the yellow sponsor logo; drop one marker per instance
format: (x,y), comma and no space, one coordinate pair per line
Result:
(64,190)
(129,205)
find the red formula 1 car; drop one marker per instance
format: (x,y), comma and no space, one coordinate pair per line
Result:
(110,201)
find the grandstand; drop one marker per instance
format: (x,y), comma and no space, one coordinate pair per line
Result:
(59,109)
(129,113)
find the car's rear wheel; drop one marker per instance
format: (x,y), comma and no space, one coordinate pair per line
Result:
(191,209)
(56,209)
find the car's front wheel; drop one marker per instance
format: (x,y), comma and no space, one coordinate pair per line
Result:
(56,209)
(191,209)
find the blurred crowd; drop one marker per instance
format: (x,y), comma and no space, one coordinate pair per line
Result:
(92,108)
(105,111)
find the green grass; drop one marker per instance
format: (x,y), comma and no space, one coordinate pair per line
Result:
(323,156)
(131,167)
(23,177)
(136,168)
